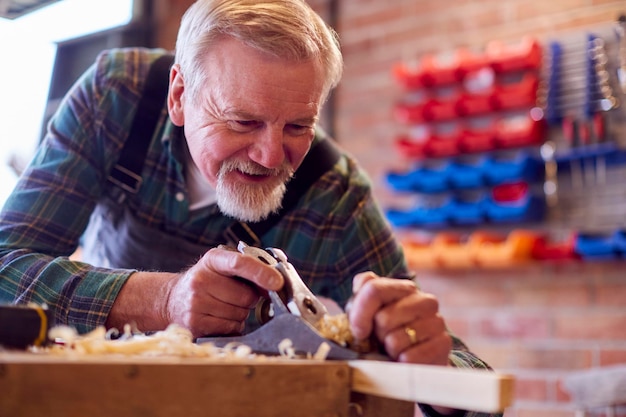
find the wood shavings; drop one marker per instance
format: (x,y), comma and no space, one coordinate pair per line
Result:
(286,350)
(173,341)
(322,352)
(336,328)
(238,350)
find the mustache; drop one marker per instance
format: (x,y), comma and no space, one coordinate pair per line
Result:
(252,168)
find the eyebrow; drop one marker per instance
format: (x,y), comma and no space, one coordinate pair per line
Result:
(249,116)
(304,121)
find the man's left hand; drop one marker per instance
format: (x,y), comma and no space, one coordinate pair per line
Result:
(403,318)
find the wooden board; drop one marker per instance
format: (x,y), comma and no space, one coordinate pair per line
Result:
(52,386)
(435,385)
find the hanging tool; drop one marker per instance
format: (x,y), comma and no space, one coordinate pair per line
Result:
(571,136)
(599,74)
(600,78)
(552,92)
(295,314)
(621,38)
(599,136)
(548,102)
(550,187)
(582,140)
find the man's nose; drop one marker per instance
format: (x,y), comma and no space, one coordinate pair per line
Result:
(268,149)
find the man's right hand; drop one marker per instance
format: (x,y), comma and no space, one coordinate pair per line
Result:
(213,297)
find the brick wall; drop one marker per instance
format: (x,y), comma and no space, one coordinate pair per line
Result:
(540,322)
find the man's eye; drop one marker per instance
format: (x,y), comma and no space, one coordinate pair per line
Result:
(297,130)
(244,125)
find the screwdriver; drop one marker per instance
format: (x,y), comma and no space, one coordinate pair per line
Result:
(570,133)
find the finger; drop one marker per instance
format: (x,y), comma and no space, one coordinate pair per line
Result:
(204,314)
(207,286)
(434,351)
(231,263)
(357,283)
(415,333)
(203,325)
(372,296)
(360,279)
(211,305)
(415,306)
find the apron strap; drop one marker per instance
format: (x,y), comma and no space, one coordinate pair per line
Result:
(126,173)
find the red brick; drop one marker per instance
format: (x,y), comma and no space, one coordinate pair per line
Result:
(545,358)
(603,325)
(544,411)
(456,290)
(381,16)
(612,356)
(611,295)
(554,295)
(529,10)
(531,389)
(498,355)
(515,325)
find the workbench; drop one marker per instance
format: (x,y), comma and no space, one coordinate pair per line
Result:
(41,384)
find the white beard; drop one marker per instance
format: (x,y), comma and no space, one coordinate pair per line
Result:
(251,202)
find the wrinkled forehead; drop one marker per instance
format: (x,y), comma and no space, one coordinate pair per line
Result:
(238,69)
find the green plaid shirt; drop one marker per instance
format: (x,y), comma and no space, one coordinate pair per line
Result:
(335,231)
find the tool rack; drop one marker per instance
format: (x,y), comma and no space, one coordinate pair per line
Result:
(516,153)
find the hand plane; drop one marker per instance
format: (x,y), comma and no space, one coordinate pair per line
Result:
(295,314)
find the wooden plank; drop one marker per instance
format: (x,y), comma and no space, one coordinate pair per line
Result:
(35,385)
(435,385)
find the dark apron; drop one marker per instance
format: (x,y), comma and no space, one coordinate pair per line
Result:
(115,238)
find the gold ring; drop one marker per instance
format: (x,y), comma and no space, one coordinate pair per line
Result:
(412,334)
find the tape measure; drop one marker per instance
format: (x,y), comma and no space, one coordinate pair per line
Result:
(23,325)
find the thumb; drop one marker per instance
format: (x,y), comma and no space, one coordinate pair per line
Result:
(361,279)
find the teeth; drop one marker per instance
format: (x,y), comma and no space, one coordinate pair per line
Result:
(256,174)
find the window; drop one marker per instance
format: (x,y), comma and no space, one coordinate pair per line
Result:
(27,48)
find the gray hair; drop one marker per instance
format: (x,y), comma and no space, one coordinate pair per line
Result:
(287,29)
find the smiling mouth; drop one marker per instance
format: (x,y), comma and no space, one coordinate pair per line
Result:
(252,173)
(255,177)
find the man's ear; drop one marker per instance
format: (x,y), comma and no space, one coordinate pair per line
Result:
(175,96)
